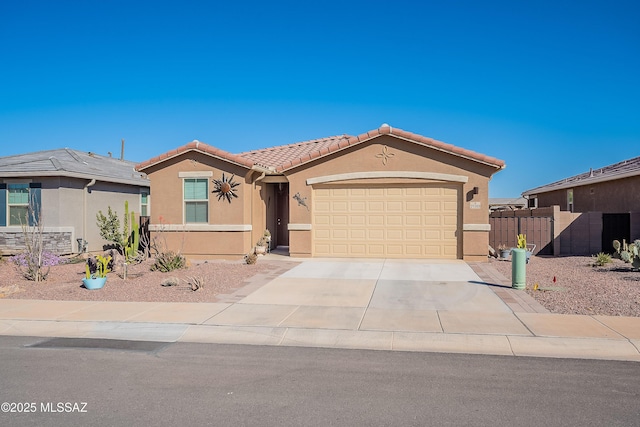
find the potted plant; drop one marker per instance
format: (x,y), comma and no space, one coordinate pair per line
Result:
(261,246)
(503,251)
(96,272)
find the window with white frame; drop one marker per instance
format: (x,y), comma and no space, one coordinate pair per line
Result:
(18,204)
(196,200)
(144,204)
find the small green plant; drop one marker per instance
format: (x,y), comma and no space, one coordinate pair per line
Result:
(169,261)
(126,241)
(522,241)
(601,259)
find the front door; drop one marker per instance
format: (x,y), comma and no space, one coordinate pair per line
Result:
(282,214)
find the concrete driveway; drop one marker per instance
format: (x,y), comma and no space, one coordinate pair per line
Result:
(376,295)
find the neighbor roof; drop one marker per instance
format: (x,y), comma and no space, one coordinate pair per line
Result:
(74,164)
(285,157)
(624,169)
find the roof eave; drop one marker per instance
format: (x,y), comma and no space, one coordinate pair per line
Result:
(397,133)
(572,184)
(141,182)
(196,146)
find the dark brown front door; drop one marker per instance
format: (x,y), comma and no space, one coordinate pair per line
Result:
(282,214)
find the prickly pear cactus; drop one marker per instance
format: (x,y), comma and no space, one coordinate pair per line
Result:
(625,256)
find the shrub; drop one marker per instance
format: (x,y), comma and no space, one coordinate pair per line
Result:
(169,261)
(31,264)
(251,258)
(601,259)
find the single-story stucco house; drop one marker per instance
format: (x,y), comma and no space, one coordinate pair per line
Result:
(608,196)
(65,188)
(386,193)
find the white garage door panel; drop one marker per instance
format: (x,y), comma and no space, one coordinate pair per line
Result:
(410,221)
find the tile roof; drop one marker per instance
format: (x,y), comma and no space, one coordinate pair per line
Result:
(284,157)
(197,146)
(282,154)
(623,169)
(72,163)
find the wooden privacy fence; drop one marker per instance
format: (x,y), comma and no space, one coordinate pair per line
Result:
(539,231)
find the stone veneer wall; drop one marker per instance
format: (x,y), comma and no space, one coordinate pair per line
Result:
(57,242)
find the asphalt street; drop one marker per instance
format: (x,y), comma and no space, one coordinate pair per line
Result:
(125,383)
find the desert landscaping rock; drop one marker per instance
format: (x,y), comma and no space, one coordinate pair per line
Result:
(64,282)
(579,287)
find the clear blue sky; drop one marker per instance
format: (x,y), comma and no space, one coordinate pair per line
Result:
(551,87)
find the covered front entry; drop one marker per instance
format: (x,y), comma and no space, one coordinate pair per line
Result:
(277,197)
(387,221)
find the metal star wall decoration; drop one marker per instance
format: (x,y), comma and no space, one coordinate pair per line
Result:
(225,188)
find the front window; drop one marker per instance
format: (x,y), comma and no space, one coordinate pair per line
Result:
(144,204)
(196,200)
(18,203)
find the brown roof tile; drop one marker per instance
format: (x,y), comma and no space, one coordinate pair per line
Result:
(197,146)
(330,146)
(285,157)
(283,154)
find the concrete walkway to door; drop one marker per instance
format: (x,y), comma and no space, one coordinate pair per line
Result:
(405,305)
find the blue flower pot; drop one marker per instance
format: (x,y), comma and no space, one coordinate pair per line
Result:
(96,283)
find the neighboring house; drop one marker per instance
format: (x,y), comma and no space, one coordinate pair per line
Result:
(502,204)
(386,193)
(65,189)
(608,199)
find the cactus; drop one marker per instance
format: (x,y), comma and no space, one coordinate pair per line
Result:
(635,263)
(616,246)
(625,256)
(133,238)
(522,241)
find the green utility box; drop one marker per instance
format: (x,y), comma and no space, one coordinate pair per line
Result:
(518,268)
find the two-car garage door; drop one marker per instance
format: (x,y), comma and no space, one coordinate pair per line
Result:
(386,221)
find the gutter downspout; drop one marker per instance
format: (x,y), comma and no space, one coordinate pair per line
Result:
(84,210)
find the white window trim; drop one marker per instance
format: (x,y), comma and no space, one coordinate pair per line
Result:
(9,205)
(184,201)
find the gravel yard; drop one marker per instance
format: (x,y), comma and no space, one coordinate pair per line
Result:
(64,282)
(579,287)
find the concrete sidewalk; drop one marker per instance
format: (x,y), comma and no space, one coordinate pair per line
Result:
(426,306)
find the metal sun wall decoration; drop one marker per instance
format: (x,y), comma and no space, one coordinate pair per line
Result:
(225,188)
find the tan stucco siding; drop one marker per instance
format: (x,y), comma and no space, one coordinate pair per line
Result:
(167,204)
(385,154)
(616,196)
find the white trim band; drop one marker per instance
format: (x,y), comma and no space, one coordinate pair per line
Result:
(388,174)
(200,227)
(476,227)
(205,174)
(299,227)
